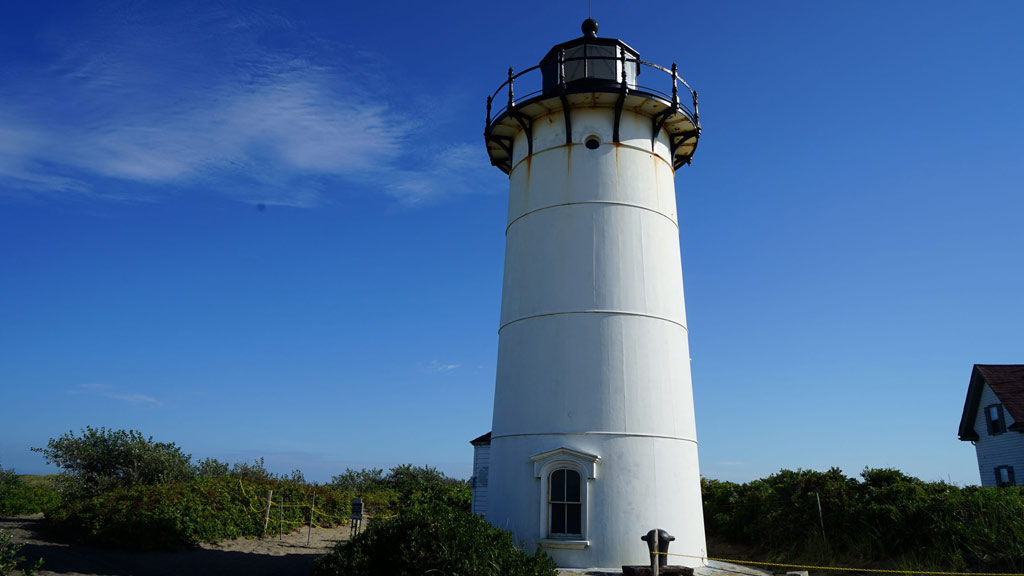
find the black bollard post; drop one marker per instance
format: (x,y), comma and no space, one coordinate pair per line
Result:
(652,546)
(664,538)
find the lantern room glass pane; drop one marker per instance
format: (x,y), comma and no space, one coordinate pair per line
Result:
(596,61)
(601,62)
(574,69)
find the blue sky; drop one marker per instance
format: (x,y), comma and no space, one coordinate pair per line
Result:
(271,229)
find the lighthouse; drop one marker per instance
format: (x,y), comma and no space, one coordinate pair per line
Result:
(593,439)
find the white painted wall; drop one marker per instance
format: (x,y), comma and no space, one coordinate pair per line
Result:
(593,353)
(481,466)
(1006,449)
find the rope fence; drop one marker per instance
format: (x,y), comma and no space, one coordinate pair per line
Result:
(312,515)
(343,520)
(704,560)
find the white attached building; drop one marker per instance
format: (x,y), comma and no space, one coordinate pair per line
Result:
(993,420)
(481,469)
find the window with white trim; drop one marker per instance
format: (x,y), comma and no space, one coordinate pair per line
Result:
(565,508)
(565,476)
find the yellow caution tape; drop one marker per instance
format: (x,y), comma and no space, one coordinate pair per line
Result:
(841,569)
(337,517)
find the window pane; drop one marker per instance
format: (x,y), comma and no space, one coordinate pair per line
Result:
(574,519)
(1004,474)
(572,486)
(558,518)
(630,71)
(600,68)
(574,68)
(993,412)
(558,486)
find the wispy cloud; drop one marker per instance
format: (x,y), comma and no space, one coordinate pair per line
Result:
(445,176)
(135,399)
(107,391)
(435,367)
(192,97)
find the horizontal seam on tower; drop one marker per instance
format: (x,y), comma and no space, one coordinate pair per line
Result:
(622,145)
(618,312)
(610,203)
(591,433)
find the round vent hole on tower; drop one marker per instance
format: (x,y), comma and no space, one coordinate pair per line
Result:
(592,142)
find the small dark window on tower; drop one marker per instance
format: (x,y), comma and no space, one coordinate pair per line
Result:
(1004,476)
(566,511)
(994,419)
(592,143)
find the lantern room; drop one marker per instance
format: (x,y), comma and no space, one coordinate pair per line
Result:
(590,63)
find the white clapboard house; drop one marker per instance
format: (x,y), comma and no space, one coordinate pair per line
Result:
(481,469)
(993,420)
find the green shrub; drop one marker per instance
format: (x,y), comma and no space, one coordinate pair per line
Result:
(212,468)
(432,538)
(255,472)
(415,485)
(25,499)
(121,489)
(102,460)
(20,497)
(172,516)
(364,480)
(10,557)
(402,487)
(885,516)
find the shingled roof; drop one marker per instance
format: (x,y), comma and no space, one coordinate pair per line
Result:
(485,440)
(1006,382)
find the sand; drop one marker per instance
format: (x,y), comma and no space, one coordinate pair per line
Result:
(243,557)
(269,557)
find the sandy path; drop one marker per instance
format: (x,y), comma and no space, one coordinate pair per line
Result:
(270,557)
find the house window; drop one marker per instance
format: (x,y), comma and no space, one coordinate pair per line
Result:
(995,420)
(1004,476)
(565,510)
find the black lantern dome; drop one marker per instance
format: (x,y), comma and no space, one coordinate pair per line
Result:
(590,63)
(591,72)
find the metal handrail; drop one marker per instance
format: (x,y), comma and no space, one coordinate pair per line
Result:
(673,98)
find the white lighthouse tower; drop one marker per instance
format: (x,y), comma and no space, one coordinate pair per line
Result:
(593,440)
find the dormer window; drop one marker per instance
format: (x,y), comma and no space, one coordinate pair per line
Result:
(995,420)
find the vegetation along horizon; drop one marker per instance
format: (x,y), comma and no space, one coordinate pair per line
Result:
(124,490)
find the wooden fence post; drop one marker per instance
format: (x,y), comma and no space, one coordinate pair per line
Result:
(266,517)
(312,510)
(821,518)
